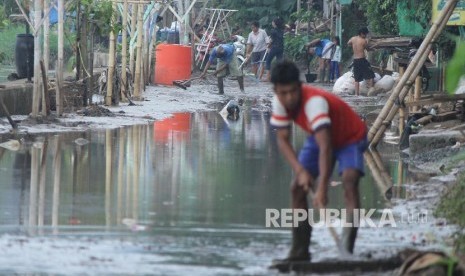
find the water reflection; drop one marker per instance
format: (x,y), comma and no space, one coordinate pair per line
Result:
(193,179)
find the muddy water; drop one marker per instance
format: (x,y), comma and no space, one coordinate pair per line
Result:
(183,196)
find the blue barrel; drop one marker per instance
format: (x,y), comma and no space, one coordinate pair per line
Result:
(24,55)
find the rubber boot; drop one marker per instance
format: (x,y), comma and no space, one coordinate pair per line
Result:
(240,80)
(321,76)
(300,246)
(220,86)
(349,234)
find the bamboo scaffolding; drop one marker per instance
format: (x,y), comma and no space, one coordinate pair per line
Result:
(390,109)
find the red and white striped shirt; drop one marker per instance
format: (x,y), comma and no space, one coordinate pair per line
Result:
(319,108)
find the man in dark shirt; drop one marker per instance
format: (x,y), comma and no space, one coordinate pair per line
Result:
(276,46)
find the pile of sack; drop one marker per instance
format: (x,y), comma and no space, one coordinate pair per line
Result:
(346,84)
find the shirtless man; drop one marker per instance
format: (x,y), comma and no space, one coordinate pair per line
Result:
(362,68)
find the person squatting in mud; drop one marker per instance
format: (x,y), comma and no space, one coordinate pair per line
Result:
(336,134)
(227,61)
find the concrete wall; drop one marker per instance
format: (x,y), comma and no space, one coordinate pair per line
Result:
(18,99)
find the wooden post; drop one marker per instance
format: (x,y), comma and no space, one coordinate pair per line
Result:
(45,95)
(137,77)
(389,110)
(134,16)
(417,95)
(59,69)
(37,56)
(124,54)
(111,61)
(83,50)
(46,36)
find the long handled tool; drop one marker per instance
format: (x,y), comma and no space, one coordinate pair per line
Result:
(261,67)
(184,83)
(342,251)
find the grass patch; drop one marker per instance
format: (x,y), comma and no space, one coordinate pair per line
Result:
(8,42)
(451,207)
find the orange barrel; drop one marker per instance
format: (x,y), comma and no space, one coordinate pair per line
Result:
(173,62)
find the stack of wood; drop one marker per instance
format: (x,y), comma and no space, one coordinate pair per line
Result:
(389,42)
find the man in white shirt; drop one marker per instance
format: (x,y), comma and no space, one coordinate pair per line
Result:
(256,45)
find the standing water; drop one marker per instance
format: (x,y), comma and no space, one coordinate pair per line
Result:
(182,196)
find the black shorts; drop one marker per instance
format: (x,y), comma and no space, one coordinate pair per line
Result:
(362,70)
(257,57)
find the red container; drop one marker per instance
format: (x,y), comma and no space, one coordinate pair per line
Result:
(173,62)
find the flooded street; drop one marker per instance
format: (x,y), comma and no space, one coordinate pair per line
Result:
(182,196)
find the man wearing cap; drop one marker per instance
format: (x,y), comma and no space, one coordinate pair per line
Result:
(226,60)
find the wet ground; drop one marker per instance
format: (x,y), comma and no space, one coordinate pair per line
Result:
(182,196)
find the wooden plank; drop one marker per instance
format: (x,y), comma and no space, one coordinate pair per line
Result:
(436,99)
(446,116)
(425,120)
(335,266)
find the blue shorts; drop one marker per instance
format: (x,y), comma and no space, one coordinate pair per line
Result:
(348,157)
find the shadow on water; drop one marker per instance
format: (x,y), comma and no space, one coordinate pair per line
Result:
(194,187)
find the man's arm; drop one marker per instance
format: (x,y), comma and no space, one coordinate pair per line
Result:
(204,73)
(313,42)
(349,42)
(323,139)
(303,177)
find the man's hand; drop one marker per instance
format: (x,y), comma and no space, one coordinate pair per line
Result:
(304,180)
(321,197)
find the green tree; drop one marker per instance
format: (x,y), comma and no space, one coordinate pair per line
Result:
(381,15)
(262,10)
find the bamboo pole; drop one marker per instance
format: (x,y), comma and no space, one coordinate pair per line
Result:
(401,110)
(46,36)
(34,185)
(108,174)
(121,155)
(417,94)
(124,52)
(390,109)
(37,56)
(134,16)
(111,61)
(56,184)
(137,76)
(380,182)
(136,172)
(43,174)
(84,54)
(59,69)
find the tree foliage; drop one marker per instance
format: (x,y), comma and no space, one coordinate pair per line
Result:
(263,11)
(381,15)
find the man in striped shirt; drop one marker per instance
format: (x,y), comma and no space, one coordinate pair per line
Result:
(336,133)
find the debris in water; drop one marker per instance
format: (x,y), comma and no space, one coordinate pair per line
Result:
(12,145)
(81,141)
